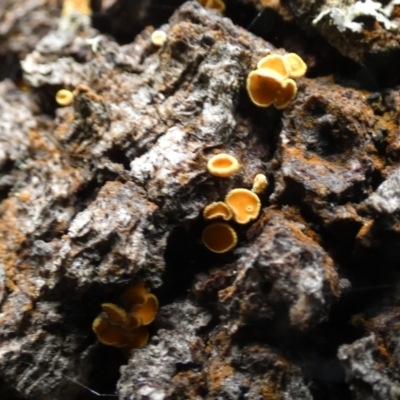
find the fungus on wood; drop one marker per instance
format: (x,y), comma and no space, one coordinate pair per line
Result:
(244,204)
(223,165)
(217,210)
(219,237)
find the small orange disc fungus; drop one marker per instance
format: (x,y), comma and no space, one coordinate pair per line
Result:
(245,205)
(223,165)
(217,210)
(266,87)
(219,237)
(218,5)
(297,67)
(158,38)
(64,97)
(81,6)
(277,63)
(134,295)
(114,313)
(147,312)
(111,335)
(260,183)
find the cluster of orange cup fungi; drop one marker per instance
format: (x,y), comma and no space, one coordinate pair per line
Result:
(272,82)
(240,205)
(115,326)
(218,5)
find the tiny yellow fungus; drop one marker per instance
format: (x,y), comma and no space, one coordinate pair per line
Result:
(111,335)
(260,183)
(217,210)
(158,38)
(114,313)
(298,67)
(245,205)
(72,6)
(219,237)
(218,5)
(277,63)
(134,295)
(147,312)
(133,321)
(266,87)
(64,97)
(223,165)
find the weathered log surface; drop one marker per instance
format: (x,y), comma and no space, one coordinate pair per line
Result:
(110,191)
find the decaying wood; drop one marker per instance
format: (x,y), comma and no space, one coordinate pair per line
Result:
(110,191)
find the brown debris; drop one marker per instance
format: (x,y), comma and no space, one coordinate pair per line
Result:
(110,191)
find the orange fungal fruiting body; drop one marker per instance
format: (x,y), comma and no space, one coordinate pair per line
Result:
(244,204)
(218,5)
(217,210)
(64,97)
(223,165)
(72,6)
(219,237)
(127,329)
(276,63)
(266,87)
(271,82)
(297,67)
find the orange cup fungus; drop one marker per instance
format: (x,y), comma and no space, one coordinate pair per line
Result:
(127,329)
(223,165)
(276,63)
(244,204)
(218,5)
(64,97)
(297,67)
(271,82)
(80,6)
(217,209)
(266,87)
(219,237)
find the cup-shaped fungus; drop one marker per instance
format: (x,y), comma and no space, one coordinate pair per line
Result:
(80,6)
(260,183)
(64,97)
(266,87)
(114,313)
(147,312)
(127,330)
(134,295)
(223,165)
(109,334)
(158,38)
(218,5)
(217,209)
(298,67)
(245,205)
(277,63)
(219,237)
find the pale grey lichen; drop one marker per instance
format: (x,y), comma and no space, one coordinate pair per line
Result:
(344,16)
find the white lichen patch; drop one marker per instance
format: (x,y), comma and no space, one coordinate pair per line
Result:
(167,164)
(344,18)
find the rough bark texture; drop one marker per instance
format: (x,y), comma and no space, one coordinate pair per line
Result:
(109,192)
